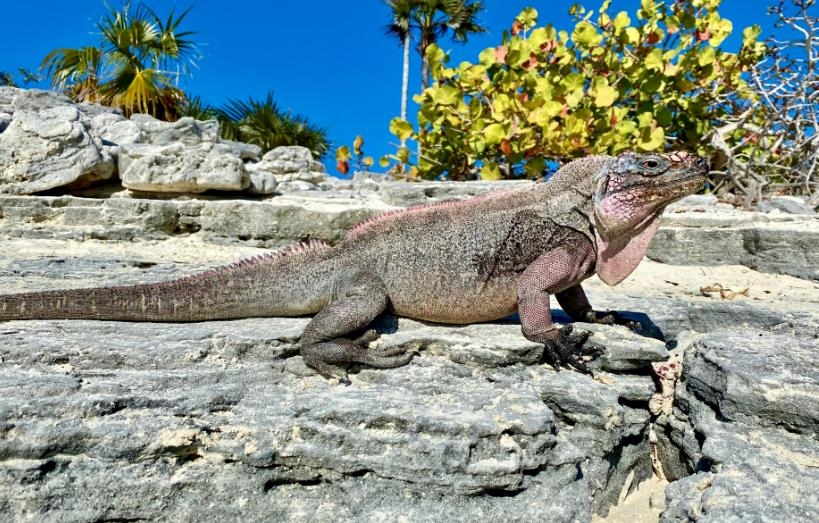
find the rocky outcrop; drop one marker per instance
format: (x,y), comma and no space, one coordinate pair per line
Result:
(475,426)
(741,441)
(49,142)
(40,150)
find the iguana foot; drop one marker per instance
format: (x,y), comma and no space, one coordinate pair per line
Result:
(327,356)
(611,318)
(564,347)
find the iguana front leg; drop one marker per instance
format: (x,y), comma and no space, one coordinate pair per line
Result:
(554,272)
(574,302)
(356,300)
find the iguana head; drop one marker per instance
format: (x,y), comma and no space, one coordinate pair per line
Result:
(631,192)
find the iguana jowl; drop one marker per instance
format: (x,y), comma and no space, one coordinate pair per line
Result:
(467,261)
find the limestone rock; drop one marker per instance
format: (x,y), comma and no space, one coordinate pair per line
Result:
(115,129)
(292,163)
(186,130)
(179,168)
(247,152)
(261,182)
(226,421)
(747,419)
(43,149)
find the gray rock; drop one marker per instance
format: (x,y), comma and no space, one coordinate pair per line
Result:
(723,370)
(403,194)
(115,129)
(48,148)
(290,160)
(296,186)
(245,151)
(747,421)
(261,182)
(783,244)
(625,350)
(186,130)
(179,168)
(792,205)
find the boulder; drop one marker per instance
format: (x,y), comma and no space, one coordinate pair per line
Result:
(181,169)
(745,425)
(185,131)
(292,163)
(44,148)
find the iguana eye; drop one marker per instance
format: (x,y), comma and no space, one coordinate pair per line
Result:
(651,164)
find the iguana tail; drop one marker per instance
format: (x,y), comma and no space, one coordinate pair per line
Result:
(292,281)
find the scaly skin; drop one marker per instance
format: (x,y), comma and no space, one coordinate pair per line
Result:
(475,260)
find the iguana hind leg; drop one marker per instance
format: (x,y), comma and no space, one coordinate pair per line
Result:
(357,299)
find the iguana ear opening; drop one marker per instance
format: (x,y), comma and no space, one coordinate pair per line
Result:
(618,257)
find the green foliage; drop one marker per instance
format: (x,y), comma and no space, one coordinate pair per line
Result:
(28,77)
(136,66)
(396,163)
(7,79)
(612,83)
(261,122)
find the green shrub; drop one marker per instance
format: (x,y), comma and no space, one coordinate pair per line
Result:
(615,82)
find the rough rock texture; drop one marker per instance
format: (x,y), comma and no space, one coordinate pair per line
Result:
(48,142)
(746,422)
(182,169)
(778,243)
(226,412)
(40,150)
(223,420)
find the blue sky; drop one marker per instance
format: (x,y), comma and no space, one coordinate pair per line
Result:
(328,60)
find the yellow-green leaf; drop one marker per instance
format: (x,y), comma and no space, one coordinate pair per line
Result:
(342,153)
(444,94)
(750,34)
(490,171)
(494,133)
(706,56)
(604,94)
(400,128)
(651,139)
(585,35)
(632,36)
(654,60)
(621,21)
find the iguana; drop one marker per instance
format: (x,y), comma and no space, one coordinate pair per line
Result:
(474,260)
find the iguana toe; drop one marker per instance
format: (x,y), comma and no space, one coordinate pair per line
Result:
(565,348)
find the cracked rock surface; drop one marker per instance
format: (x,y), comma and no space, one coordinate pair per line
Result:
(222,420)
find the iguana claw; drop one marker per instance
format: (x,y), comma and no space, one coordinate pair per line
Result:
(564,347)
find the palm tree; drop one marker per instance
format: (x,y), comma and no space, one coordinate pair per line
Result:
(431,20)
(265,124)
(136,67)
(436,18)
(400,28)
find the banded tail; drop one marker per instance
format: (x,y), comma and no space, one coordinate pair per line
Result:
(291,281)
